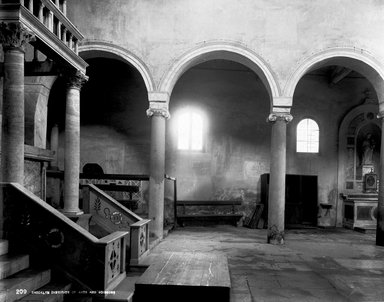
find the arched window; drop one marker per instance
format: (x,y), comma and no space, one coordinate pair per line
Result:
(190,130)
(307,136)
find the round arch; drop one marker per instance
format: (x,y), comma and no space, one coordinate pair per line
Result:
(354,58)
(92,49)
(226,51)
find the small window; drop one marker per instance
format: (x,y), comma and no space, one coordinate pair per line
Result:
(190,131)
(307,139)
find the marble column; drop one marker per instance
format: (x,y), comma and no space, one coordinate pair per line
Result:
(55,146)
(276,201)
(380,205)
(72,145)
(13,38)
(158,112)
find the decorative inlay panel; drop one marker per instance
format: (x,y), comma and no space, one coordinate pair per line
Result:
(114,258)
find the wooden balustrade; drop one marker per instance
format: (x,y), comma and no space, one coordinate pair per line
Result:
(34,227)
(47,11)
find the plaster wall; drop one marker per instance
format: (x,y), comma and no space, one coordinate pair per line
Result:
(281,33)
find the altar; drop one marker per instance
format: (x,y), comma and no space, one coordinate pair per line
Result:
(359,162)
(360,211)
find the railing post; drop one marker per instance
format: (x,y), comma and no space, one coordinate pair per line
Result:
(76,43)
(41,12)
(139,241)
(175,202)
(59,30)
(50,21)
(64,36)
(64,7)
(70,41)
(114,265)
(30,6)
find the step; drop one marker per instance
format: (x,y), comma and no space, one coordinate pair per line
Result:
(3,246)
(19,285)
(12,264)
(52,292)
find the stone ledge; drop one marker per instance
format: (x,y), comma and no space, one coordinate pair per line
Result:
(36,153)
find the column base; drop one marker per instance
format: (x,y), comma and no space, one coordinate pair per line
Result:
(275,237)
(72,214)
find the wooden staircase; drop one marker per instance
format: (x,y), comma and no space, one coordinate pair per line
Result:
(18,281)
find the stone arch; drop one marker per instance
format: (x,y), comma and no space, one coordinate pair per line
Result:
(350,178)
(354,58)
(91,49)
(221,50)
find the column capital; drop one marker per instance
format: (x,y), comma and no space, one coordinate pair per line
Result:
(158,109)
(76,80)
(14,36)
(280,116)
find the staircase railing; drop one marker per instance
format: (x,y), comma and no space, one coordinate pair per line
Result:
(113,216)
(33,226)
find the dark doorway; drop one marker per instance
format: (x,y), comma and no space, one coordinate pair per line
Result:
(300,199)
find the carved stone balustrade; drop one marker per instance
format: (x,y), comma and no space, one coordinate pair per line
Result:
(33,226)
(56,36)
(112,216)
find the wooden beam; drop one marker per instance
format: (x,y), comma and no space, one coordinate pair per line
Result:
(338,74)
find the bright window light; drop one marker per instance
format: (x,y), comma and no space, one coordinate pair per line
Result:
(307,139)
(190,131)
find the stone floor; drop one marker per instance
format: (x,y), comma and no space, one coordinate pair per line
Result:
(313,265)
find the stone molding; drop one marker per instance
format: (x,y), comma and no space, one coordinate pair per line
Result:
(158,97)
(90,48)
(76,80)
(280,116)
(158,109)
(365,58)
(14,36)
(230,50)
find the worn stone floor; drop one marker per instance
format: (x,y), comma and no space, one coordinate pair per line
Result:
(313,265)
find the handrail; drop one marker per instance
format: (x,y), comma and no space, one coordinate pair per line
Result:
(53,211)
(138,177)
(105,240)
(113,202)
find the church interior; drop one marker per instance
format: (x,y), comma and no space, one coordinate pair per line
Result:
(191,150)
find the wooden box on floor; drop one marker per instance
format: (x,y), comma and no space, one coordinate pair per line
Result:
(185,277)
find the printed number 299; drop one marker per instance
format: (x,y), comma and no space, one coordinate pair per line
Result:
(21,291)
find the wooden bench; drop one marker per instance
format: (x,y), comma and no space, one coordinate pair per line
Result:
(231,218)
